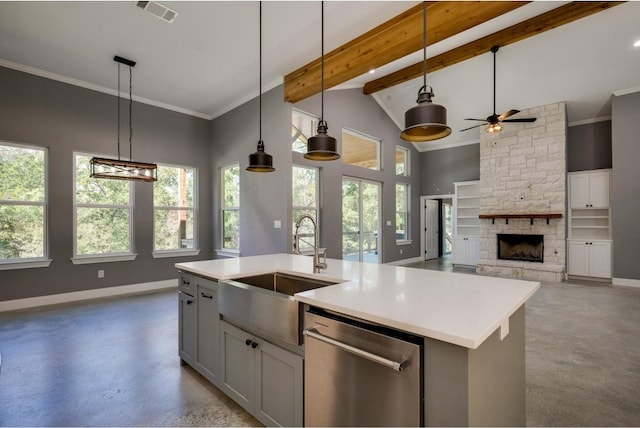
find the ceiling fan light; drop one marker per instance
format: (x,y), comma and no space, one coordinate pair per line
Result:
(494,128)
(426,121)
(322,147)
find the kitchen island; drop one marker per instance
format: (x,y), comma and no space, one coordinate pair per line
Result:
(473,326)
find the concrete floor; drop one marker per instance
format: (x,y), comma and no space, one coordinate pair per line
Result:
(114,362)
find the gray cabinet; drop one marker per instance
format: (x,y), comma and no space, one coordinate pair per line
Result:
(264,379)
(208,317)
(186,319)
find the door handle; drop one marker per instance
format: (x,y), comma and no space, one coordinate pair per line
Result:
(357,351)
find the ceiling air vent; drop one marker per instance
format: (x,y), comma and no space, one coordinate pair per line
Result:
(158,10)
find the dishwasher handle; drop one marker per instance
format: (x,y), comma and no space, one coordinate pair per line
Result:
(357,351)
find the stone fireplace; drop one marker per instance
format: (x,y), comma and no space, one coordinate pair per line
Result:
(523,192)
(520,247)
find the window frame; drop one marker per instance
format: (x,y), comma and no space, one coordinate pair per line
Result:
(32,262)
(316,207)
(228,252)
(406,240)
(105,257)
(370,138)
(178,252)
(314,125)
(407,153)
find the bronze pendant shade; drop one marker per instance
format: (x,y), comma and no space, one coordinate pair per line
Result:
(117,168)
(426,121)
(322,146)
(260,161)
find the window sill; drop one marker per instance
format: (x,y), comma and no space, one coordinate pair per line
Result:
(228,253)
(25,264)
(404,242)
(85,260)
(174,253)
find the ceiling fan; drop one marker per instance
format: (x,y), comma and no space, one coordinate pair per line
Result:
(494,122)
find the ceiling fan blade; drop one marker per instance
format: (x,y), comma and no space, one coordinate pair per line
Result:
(479,120)
(506,114)
(524,119)
(475,126)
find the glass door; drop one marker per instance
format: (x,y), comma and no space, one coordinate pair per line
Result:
(361,240)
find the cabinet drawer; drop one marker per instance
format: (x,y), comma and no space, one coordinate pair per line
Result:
(185,283)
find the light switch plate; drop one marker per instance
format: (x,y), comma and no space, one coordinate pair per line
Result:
(277,224)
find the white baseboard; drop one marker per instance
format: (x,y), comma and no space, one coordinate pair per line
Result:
(54,299)
(405,261)
(626,282)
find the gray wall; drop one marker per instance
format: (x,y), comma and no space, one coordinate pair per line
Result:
(66,118)
(626,185)
(589,146)
(351,109)
(439,169)
(264,197)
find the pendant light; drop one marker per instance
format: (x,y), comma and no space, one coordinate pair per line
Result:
(322,147)
(117,168)
(260,161)
(426,121)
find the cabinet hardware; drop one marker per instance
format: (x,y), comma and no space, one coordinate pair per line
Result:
(251,343)
(189,302)
(206,296)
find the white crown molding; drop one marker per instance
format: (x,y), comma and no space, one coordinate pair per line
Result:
(97,88)
(588,121)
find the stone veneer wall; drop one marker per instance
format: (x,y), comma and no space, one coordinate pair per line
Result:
(523,171)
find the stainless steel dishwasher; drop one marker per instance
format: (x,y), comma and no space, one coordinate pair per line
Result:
(360,374)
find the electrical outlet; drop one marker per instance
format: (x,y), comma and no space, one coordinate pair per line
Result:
(400,250)
(100,273)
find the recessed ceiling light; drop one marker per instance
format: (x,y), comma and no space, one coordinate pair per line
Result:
(636,44)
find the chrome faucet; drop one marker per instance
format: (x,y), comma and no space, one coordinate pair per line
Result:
(317,264)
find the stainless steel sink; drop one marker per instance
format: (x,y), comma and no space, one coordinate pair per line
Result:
(264,304)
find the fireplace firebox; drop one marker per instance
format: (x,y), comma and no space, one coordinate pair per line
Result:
(528,248)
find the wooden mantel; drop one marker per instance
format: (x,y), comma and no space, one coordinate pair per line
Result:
(493,217)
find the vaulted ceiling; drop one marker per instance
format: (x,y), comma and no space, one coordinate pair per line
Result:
(206,62)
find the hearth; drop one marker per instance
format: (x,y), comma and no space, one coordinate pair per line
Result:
(521,247)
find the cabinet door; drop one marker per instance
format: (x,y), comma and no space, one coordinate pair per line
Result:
(599,190)
(473,251)
(237,365)
(600,259)
(186,327)
(579,190)
(578,260)
(279,386)
(458,250)
(207,328)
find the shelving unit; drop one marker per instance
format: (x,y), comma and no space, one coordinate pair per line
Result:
(589,235)
(466,221)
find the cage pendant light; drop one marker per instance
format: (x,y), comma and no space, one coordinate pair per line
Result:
(260,161)
(117,168)
(322,147)
(425,121)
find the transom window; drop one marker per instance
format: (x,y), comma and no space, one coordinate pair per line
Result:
(402,161)
(304,197)
(174,200)
(303,127)
(23,202)
(231,207)
(360,149)
(103,211)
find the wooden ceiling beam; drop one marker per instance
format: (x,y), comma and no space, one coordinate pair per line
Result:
(536,25)
(394,39)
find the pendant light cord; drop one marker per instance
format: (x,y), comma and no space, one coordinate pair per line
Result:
(118,101)
(424,44)
(494,50)
(322,62)
(260,78)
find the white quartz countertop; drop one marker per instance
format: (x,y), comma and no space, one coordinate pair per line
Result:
(458,308)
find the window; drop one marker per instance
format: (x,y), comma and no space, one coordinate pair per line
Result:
(360,150)
(304,201)
(102,211)
(402,161)
(23,206)
(303,127)
(174,207)
(231,207)
(402,211)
